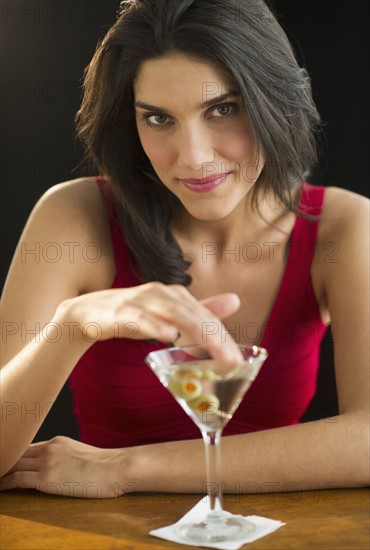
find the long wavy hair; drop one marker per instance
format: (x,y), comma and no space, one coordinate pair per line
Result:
(242,37)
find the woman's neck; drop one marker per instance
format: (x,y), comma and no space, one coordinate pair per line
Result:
(243,222)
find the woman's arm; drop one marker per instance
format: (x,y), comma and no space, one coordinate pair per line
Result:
(311,455)
(332,452)
(38,351)
(46,306)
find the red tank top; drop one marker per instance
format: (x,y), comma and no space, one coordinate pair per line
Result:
(119,402)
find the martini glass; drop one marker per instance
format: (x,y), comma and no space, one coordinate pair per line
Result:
(209,392)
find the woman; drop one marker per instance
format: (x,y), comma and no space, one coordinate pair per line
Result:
(203,125)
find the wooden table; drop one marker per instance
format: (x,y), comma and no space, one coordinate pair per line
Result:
(337,519)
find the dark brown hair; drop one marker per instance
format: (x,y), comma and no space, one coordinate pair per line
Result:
(244,38)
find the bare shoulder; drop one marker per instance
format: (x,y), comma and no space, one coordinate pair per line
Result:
(344,227)
(344,212)
(343,239)
(343,236)
(344,275)
(63,252)
(81,195)
(83,226)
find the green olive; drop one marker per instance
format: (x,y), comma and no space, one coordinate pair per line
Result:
(185,387)
(205,403)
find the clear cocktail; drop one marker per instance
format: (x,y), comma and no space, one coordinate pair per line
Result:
(209,392)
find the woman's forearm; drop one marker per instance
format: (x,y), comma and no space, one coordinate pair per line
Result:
(30,383)
(314,455)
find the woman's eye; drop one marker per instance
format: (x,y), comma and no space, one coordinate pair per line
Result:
(158,120)
(154,120)
(226,110)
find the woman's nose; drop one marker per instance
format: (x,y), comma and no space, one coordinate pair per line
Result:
(194,148)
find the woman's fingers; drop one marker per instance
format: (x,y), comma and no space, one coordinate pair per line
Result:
(68,467)
(26,464)
(222,305)
(140,323)
(156,311)
(34,448)
(196,322)
(29,457)
(20,480)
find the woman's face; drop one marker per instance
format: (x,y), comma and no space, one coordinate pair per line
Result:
(189,132)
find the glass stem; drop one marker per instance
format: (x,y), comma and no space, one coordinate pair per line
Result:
(212,443)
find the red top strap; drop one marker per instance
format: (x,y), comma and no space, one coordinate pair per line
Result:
(124,259)
(296,282)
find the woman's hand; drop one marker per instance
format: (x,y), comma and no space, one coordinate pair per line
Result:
(154,311)
(63,466)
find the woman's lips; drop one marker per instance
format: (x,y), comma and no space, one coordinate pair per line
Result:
(205,184)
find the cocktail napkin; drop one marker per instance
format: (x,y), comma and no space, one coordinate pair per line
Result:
(264,526)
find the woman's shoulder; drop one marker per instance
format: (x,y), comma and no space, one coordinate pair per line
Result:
(342,211)
(75,192)
(82,219)
(342,234)
(344,198)
(80,200)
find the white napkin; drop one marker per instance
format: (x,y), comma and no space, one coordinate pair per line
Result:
(264,526)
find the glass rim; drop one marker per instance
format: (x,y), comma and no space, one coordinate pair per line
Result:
(202,345)
(258,351)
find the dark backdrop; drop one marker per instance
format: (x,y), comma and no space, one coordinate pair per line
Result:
(46,46)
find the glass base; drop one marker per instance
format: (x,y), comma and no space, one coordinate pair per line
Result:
(218,527)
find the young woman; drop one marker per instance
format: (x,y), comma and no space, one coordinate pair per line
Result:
(201,227)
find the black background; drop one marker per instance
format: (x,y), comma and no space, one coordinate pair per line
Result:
(46,46)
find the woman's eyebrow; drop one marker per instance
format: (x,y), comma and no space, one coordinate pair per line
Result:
(208,103)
